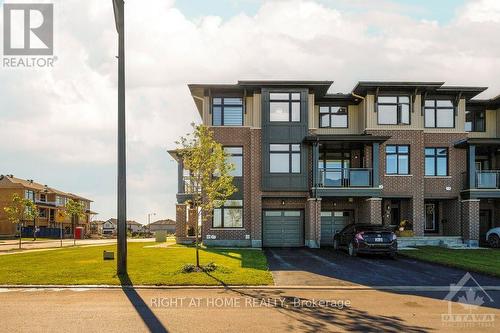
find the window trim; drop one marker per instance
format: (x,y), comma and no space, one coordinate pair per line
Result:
(436,108)
(222,208)
(436,157)
(397,154)
(398,107)
(330,113)
(222,105)
(290,101)
(290,153)
(242,158)
(474,112)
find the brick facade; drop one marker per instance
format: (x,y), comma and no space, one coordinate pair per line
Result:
(470,221)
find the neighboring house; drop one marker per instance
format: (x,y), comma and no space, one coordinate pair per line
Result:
(110,227)
(134,226)
(51,205)
(163,225)
(308,162)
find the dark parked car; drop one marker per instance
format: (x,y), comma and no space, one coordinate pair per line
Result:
(366,238)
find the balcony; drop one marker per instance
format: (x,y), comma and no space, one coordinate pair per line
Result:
(353,177)
(484,184)
(488,179)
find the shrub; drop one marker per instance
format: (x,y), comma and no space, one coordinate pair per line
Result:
(191,268)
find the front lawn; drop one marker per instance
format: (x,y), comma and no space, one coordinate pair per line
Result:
(146,266)
(481,260)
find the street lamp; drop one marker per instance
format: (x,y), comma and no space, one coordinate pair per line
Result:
(149,221)
(118,7)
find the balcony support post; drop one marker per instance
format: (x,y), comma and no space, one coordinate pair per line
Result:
(471,166)
(315,153)
(180,176)
(375,164)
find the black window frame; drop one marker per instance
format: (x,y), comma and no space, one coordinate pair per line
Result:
(397,154)
(222,208)
(398,107)
(474,121)
(435,156)
(290,102)
(330,113)
(290,152)
(436,109)
(222,105)
(237,154)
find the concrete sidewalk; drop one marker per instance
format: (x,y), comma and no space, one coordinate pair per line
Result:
(217,310)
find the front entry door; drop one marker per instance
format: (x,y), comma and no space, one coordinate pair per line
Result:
(484,225)
(431,217)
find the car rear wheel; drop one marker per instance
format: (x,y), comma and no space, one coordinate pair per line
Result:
(351,250)
(494,241)
(335,244)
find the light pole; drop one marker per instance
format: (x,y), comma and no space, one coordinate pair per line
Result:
(118,7)
(149,221)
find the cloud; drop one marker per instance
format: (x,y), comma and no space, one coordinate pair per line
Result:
(65,117)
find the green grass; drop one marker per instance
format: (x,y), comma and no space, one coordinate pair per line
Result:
(480,261)
(146,266)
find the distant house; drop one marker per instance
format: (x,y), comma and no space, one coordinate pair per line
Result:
(134,226)
(167,225)
(110,227)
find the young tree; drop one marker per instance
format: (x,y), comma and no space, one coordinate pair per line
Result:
(74,210)
(20,210)
(209,179)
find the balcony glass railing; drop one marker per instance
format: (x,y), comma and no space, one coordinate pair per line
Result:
(353,177)
(488,179)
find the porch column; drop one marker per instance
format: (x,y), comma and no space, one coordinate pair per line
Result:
(373,210)
(375,164)
(180,176)
(313,229)
(470,222)
(471,166)
(180,222)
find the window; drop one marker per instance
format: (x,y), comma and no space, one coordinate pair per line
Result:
(439,113)
(229,216)
(397,160)
(60,201)
(393,110)
(227,111)
(333,116)
(284,107)
(284,158)
(436,161)
(30,195)
(475,121)
(43,197)
(42,213)
(235,157)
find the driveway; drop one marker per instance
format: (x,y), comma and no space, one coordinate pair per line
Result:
(326,267)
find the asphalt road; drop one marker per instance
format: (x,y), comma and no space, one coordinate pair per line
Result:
(220,310)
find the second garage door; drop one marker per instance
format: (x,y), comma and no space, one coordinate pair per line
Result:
(331,222)
(283,228)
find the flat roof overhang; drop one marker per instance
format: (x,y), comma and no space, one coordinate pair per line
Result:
(344,138)
(485,142)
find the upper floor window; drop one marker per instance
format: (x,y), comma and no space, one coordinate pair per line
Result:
(60,201)
(393,110)
(475,121)
(436,161)
(284,158)
(397,159)
(439,113)
(227,111)
(30,195)
(333,116)
(235,157)
(284,107)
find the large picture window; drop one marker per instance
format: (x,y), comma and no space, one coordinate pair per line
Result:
(333,116)
(475,121)
(235,157)
(230,215)
(284,107)
(439,113)
(284,158)
(436,161)
(397,159)
(227,111)
(393,110)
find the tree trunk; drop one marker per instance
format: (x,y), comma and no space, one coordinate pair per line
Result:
(20,235)
(197,243)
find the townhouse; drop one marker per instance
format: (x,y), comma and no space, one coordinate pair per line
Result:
(50,203)
(418,156)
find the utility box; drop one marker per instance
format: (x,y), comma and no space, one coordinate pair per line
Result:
(161,236)
(79,233)
(108,255)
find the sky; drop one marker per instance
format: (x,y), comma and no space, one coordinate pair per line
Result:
(58,125)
